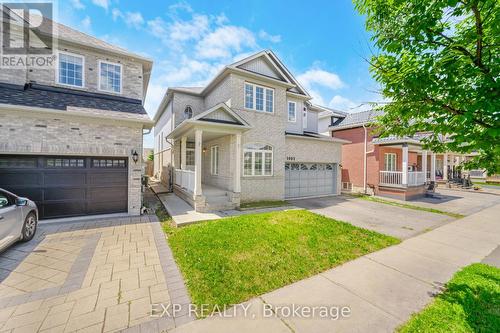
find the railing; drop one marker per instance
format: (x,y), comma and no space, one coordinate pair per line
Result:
(185,179)
(395,178)
(477,173)
(416,178)
(391,177)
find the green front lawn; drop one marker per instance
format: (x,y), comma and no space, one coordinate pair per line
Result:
(231,260)
(470,303)
(485,183)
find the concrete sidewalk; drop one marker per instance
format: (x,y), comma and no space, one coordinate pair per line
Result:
(381,289)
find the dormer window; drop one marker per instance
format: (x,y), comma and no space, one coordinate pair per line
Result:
(110,77)
(259,98)
(188,112)
(70,71)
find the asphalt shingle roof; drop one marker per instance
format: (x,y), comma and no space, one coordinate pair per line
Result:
(358,118)
(63,99)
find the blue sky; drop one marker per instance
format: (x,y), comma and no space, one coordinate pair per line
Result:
(323,43)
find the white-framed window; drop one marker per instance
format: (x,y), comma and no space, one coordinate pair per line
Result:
(189,156)
(214,160)
(259,98)
(70,69)
(257,159)
(304,118)
(292,111)
(390,162)
(110,77)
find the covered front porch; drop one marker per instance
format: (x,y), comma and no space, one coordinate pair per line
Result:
(207,159)
(404,168)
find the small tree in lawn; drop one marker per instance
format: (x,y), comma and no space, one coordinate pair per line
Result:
(438,66)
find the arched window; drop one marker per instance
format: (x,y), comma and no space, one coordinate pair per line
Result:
(188,112)
(257,159)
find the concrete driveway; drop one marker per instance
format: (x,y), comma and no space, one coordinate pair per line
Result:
(390,220)
(96,276)
(457,201)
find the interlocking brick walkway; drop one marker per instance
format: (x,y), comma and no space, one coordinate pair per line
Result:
(97,276)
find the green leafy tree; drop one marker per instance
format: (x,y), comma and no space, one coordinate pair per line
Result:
(438,66)
(151,156)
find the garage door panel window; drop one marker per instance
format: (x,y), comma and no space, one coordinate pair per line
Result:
(108,163)
(65,163)
(258,160)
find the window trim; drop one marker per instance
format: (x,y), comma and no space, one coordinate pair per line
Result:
(58,68)
(253,151)
(214,168)
(99,62)
(254,100)
(387,164)
(294,120)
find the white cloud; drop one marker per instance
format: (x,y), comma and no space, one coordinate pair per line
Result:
(86,23)
(101,3)
(342,103)
(268,37)
(134,19)
(223,41)
(320,77)
(157,27)
(221,19)
(116,13)
(187,30)
(77,4)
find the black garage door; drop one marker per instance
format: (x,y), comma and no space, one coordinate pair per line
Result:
(67,186)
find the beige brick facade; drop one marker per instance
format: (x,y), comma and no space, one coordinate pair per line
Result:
(23,132)
(266,128)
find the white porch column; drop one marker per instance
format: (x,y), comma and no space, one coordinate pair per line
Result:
(237,164)
(424,164)
(433,167)
(445,166)
(197,161)
(404,167)
(183,152)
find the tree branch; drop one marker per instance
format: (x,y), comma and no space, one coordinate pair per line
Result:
(479,31)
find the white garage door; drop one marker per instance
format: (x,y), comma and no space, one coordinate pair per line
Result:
(310,179)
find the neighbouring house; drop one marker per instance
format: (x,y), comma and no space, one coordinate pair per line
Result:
(392,166)
(71,135)
(250,134)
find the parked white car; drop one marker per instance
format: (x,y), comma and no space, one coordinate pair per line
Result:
(18,219)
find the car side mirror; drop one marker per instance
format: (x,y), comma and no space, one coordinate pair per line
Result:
(21,202)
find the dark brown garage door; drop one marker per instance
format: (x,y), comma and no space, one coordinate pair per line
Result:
(67,186)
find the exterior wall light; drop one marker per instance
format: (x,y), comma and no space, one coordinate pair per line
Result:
(135,156)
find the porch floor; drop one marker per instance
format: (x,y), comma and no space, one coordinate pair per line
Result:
(182,213)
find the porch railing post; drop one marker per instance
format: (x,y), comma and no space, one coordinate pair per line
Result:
(445,166)
(433,167)
(404,178)
(183,152)
(197,161)
(424,164)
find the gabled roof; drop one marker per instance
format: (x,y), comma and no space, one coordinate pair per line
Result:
(357,119)
(221,113)
(282,77)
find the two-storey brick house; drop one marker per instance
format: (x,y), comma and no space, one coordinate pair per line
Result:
(70,134)
(251,134)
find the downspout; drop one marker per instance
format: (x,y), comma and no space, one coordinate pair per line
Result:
(364,158)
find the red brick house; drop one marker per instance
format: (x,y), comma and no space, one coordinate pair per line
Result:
(393,167)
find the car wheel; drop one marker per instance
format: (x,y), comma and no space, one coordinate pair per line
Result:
(29,227)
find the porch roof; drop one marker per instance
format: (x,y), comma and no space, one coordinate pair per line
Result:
(219,118)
